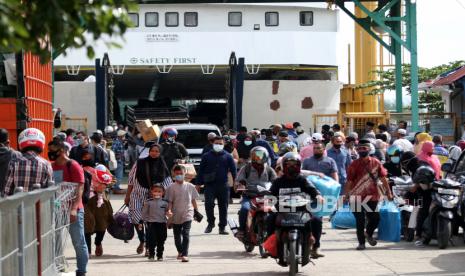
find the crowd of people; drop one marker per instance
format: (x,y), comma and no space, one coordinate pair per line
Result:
(161,197)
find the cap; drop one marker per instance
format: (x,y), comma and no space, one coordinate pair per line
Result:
(283,134)
(289,126)
(402,131)
(364,143)
(354,135)
(317,136)
(120,133)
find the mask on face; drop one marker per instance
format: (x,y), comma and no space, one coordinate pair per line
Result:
(336,146)
(218,148)
(318,155)
(179,178)
(363,154)
(233,137)
(247,143)
(53,155)
(395,159)
(170,139)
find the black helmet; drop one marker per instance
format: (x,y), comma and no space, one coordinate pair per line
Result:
(291,157)
(424,175)
(259,155)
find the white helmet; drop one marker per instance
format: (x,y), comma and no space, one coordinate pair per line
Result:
(109,129)
(31,137)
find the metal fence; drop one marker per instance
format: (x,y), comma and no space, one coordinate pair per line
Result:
(323,119)
(32,226)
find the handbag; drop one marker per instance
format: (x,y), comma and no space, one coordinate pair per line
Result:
(121,228)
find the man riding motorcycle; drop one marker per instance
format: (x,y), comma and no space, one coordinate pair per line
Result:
(290,183)
(255,173)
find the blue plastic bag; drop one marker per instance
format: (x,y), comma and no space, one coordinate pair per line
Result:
(343,218)
(389,227)
(329,189)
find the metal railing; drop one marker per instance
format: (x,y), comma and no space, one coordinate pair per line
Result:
(32,227)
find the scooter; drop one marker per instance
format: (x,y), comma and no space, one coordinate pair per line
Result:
(446,194)
(291,234)
(255,231)
(401,187)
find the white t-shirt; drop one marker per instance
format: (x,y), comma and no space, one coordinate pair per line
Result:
(404,144)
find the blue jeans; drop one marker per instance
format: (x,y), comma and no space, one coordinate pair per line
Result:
(221,193)
(119,174)
(76,231)
(243,212)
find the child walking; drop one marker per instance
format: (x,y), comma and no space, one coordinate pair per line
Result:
(98,212)
(182,198)
(154,216)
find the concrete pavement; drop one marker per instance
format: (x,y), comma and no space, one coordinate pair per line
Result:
(213,254)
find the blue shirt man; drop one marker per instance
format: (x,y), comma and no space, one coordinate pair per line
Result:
(342,158)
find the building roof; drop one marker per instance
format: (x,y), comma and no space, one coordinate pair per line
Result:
(450,77)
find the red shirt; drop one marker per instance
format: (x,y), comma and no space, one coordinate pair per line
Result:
(358,171)
(72,173)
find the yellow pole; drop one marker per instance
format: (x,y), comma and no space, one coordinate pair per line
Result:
(365,60)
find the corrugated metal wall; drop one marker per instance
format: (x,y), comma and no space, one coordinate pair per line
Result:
(8,119)
(38,91)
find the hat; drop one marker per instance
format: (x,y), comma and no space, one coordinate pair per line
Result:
(354,135)
(120,133)
(289,126)
(402,131)
(283,134)
(364,143)
(317,137)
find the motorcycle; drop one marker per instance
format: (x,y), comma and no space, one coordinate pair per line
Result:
(255,231)
(401,187)
(446,194)
(291,234)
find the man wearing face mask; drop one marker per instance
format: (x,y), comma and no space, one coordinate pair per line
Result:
(172,150)
(362,191)
(393,164)
(342,157)
(68,170)
(213,173)
(98,155)
(244,147)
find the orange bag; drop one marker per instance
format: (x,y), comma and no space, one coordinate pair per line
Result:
(271,246)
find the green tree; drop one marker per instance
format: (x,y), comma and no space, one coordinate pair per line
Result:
(41,25)
(430,100)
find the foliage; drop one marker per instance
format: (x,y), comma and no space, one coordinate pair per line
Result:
(430,100)
(38,26)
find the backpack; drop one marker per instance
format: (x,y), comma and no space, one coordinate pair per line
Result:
(87,183)
(248,169)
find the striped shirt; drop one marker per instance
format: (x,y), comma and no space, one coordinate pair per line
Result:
(26,171)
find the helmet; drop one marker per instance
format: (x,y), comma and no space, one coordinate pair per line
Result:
(61,136)
(286,147)
(394,150)
(109,129)
(424,175)
(170,132)
(259,155)
(31,137)
(317,137)
(291,164)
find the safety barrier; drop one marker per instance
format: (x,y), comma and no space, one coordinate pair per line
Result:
(323,119)
(32,227)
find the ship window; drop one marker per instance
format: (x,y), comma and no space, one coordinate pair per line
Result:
(191,19)
(306,18)
(271,19)
(134,18)
(172,19)
(235,19)
(151,19)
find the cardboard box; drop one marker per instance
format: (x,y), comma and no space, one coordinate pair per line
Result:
(143,126)
(191,173)
(151,134)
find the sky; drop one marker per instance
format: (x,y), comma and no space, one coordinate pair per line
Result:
(441,34)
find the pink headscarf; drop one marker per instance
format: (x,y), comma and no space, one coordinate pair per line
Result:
(426,155)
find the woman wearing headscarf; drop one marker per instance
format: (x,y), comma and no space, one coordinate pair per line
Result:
(419,140)
(426,155)
(146,172)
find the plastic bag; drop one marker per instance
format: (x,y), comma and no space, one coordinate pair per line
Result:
(389,227)
(329,189)
(271,246)
(343,218)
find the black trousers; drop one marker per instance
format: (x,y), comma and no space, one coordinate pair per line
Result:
(426,199)
(99,235)
(156,237)
(181,237)
(371,215)
(140,233)
(317,229)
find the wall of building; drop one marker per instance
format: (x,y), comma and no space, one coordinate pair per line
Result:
(77,99)
(259,96)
